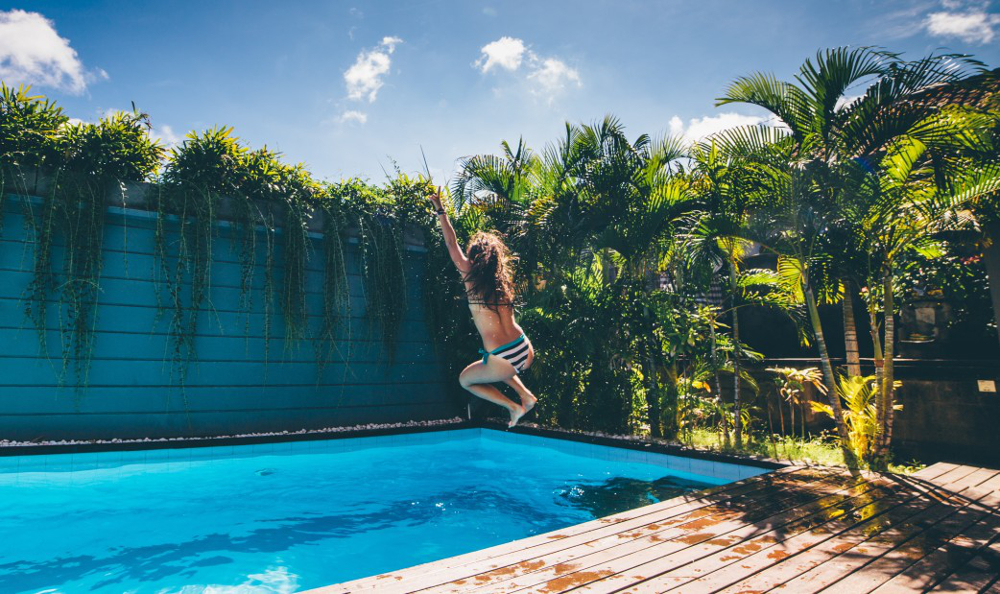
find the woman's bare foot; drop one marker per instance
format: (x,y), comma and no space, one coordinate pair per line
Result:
(528,401)
(515,415)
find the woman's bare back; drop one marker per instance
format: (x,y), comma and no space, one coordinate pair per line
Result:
(496,326)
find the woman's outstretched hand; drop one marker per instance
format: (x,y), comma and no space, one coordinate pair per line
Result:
(435,199)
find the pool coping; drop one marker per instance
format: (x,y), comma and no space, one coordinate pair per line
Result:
(84,447)
(641,444)
(621,442)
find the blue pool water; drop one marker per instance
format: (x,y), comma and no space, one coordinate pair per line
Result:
(293,516)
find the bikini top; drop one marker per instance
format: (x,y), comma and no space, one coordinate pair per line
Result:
(480,303)
(490,305)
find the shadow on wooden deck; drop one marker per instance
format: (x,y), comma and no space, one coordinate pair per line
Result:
(798,529)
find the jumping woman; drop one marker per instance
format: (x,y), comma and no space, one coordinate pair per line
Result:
(506,350)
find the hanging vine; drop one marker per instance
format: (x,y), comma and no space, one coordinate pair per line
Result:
(210,177)
(92,160)
(336,292)
(382,275)
(204,168)
(300,192)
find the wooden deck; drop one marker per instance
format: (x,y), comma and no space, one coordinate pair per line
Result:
(798,529)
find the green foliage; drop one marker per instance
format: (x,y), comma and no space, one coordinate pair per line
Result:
(336,294)
(791,385)
(29,126)
(300,193)
(959,278)
(859,394)
(380,217)
(90,163)
(201,170)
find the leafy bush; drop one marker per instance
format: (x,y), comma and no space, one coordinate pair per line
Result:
(29,125)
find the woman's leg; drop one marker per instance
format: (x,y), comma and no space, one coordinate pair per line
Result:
(476,379)
(528,399)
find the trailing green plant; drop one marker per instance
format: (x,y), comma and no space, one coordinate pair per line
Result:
(91,162)
(381,218)
(270,192)
(202,169)
(249,216)
(336,287)
(299,194)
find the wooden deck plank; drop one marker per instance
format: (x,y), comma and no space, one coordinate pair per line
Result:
(717,568)
(935,470)
(510,578)
(973,479)
(853,559)
(953,475)
(939,564)
(800,561)
(975,575)
(528,548)
(794,530)
(913,549)
(702,537)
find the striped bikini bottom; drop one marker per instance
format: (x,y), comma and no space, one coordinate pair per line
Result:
(514,352)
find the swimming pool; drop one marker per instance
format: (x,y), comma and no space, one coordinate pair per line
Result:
(282,517)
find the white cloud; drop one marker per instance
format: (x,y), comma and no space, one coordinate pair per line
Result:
(364,77)
(974,26)
(548,76)
(553,75)
(506,52)
(32,52)
(166,135)
(353,115)
(701,128)
(845,101)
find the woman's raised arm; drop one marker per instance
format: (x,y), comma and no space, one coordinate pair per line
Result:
(450,239)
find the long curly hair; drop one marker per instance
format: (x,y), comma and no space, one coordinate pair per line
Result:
(489,271)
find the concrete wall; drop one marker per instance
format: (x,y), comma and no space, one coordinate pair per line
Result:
(230,388)
(947,414)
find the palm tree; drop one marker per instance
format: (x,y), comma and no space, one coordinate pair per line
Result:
(717,234)
(829,136)
(917,191)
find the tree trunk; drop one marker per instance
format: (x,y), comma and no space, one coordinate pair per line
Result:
(850,330)
(991,257)
(877,356)
(781,417)
(829,380)
(888,377)
(673,398)
(737,401)
(653,404)
(718,388)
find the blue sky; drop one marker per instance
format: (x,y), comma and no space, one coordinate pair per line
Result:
(347,86)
